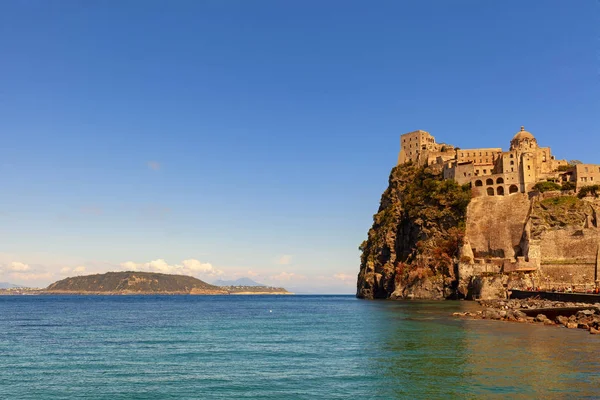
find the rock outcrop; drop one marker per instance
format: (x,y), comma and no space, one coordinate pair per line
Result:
(412,248)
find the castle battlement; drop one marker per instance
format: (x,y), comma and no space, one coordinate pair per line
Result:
(492,171)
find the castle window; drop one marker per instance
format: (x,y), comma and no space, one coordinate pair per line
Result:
(478,183)
(499,180)
(489,182)
(511,156)
(479,154)
(513,189)
(512,163)
(485,171)
(512,170)
(490,191)
(529,167)
(500,191)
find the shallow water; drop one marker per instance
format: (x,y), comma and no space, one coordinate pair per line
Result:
(274,347)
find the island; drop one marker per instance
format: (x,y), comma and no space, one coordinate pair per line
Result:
(148,283)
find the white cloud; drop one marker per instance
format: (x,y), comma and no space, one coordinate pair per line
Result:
(153,165)
(18,267)
(251,273)
(31,276)
(345,278)
(73,271)
(286,277)
(187,267)
(285,259)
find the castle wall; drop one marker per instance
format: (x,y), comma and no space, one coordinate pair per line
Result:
(560,275)
(569,245)
(479,156)
(495,225)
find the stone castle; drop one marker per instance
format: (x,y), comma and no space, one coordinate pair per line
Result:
(493,172)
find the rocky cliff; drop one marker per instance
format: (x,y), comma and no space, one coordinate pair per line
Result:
(412,247)
(429,240)
(133,283)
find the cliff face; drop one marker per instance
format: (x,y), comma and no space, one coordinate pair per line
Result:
(429,240)
(412,248)
(133,283)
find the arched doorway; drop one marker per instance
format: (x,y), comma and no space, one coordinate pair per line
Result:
(489,181)
(490,191)
(513,189)
(500,180)
(500,191)
(478,183)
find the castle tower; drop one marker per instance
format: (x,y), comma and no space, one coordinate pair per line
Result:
(523,141)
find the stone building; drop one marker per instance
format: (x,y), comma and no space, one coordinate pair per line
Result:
(582,175)
(420,147)
(491,171)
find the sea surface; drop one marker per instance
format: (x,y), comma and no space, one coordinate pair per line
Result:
(281,347)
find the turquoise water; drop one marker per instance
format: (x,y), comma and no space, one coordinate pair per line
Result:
(280,347)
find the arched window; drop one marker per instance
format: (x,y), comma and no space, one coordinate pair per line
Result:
(499,180)
(512,163)
(500,191)
(489,181)
(478,183)
(511,156)
(513,189)
(490,191)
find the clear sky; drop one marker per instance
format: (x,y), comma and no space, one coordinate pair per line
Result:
(233,138)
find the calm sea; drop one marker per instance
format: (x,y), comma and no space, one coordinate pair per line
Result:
(280,347)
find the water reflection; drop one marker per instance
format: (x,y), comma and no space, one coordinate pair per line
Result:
(427,354)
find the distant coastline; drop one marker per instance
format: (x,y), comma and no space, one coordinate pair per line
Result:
(141,283)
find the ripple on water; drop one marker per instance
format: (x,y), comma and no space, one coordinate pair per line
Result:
(218,347)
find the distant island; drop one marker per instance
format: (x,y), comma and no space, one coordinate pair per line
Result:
(238,282)
(132,282)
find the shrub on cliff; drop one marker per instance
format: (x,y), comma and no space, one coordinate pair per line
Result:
(419,226)
(568,186)
(588,190)
(546,186)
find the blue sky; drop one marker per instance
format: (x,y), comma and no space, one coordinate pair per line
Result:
(254,138)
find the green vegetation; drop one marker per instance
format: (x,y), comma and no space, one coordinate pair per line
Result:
(418,230)
(561,211)
(546,186)
(568,186)
(561,201)
(588,190)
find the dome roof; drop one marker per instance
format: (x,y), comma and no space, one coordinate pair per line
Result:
(523,134)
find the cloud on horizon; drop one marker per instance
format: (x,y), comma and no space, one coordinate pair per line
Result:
(187,267)
(285,259)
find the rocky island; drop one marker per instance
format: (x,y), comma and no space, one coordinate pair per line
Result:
(131,282)
(475,223)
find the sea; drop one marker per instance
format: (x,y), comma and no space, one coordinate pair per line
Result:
(281,347)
